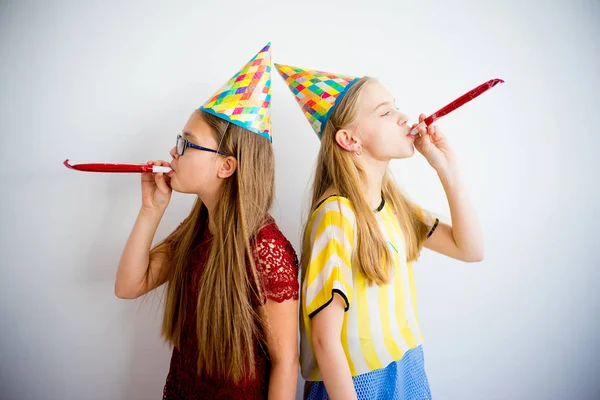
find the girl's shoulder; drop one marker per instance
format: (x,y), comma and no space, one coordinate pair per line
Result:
(276,262)
(270,242)
(270,231)
(333,208)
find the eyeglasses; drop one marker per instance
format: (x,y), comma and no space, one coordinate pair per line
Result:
(183,143)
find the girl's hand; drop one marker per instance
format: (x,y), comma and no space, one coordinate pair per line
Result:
(434,146)
(156,189)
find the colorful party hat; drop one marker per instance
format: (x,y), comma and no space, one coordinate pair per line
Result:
(316,92)
(245,99)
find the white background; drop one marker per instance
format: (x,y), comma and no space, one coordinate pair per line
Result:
(105,81)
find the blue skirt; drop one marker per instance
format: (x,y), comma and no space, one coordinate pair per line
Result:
(400,380)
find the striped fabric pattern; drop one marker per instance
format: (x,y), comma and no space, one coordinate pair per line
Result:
(381,322)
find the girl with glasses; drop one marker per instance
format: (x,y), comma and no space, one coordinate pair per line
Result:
(231,294)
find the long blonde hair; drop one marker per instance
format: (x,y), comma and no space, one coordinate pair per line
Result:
(228,326)
(337,168)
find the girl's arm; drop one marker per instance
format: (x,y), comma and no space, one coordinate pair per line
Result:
(464,239)
(326,340)
(138,273)
(282,344)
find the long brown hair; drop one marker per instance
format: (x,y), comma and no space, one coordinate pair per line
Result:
(337,168)
(228,326)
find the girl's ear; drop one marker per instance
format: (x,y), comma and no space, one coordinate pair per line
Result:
(227,168)
(347,140)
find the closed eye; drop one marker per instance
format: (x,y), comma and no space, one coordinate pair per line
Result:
(388,113)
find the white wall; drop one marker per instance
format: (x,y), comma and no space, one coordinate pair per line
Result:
(108,81)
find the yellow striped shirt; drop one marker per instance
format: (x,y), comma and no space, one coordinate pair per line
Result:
(380,322)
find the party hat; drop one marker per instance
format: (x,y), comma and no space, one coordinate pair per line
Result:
(245,99)
(316,92)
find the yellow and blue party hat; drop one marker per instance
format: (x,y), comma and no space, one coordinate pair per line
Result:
(246,98)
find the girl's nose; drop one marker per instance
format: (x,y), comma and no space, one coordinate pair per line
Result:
(173,153)
(402,119)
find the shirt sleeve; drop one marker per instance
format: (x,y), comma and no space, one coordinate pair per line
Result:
(427,218)
(277,265)
(329,270)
